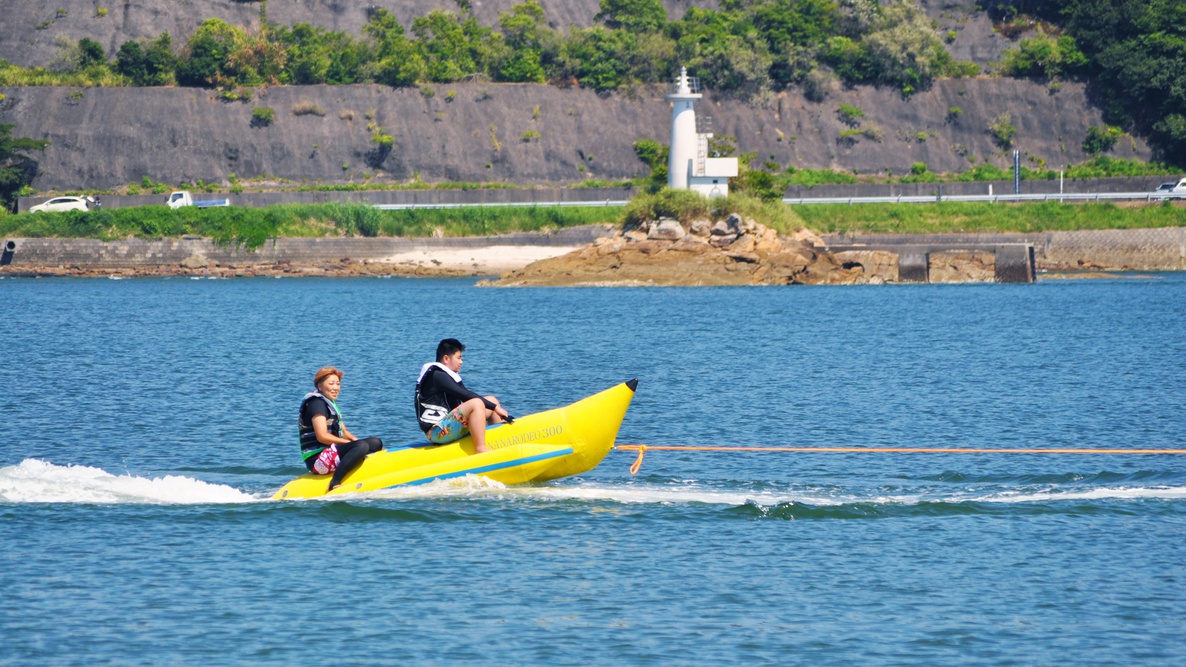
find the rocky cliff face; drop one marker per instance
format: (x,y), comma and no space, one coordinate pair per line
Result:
(102,138)
(521,133)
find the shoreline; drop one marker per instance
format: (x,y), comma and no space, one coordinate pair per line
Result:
(426,263)
(1073,253)
(290,256)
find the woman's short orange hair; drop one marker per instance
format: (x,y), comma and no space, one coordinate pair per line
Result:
(323,373)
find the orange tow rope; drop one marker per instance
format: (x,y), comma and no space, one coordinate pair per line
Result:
(641,449)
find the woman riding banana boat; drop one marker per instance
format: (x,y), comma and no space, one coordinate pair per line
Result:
(469,434)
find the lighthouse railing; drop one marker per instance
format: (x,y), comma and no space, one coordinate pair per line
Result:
(693,84)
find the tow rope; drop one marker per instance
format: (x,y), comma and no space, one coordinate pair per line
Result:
(641,449)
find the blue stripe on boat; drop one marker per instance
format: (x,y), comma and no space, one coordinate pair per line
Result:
(496,466)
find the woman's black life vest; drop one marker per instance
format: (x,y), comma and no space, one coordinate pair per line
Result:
(310,445)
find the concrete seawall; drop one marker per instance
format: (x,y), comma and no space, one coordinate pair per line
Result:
(1161,249)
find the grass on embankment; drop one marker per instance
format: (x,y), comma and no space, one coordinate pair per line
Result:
(686,206)
(251,227)
(986,217)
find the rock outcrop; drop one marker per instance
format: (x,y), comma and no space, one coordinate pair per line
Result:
(730,252)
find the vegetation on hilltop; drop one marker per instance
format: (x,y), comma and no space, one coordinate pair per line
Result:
(1132,51)
(747,47)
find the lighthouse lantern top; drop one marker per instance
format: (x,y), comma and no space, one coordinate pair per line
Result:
(684,87)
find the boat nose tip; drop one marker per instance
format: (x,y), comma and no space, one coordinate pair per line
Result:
(633,384)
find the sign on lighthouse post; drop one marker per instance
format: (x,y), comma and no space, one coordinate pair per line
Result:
(689,167)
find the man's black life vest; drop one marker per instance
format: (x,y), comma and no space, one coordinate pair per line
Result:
(310,445)
(431,407)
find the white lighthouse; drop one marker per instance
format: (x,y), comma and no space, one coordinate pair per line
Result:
(689,167)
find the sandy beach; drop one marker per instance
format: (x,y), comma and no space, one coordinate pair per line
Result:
(490,260)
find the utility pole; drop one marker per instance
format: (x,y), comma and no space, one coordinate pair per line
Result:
(1016,172)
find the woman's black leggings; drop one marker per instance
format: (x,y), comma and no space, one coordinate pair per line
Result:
(350,456)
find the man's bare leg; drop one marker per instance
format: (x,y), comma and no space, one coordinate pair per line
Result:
(475,414)
(492,415)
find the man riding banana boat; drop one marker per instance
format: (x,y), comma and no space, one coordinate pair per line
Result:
(446,409)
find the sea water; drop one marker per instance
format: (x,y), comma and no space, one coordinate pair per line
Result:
(147,422)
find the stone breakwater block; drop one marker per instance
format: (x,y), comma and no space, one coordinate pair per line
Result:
(1014,264)
(913,266)
(701,227)
(666,229)
(721,229)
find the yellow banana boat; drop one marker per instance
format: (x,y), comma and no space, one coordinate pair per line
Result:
(535,448)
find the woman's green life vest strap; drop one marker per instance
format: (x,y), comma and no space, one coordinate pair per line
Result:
(310,445)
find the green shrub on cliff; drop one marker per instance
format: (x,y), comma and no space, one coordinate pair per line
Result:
(655,156)
(1043,56)
(262,116)
(1101,139)
(151,64)
(17,165)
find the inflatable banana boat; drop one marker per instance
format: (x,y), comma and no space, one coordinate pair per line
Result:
(535,448)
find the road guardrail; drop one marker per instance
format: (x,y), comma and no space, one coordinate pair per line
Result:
(931,199)
(522,204)
(899,199)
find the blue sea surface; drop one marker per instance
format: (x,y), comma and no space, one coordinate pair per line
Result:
(147,422)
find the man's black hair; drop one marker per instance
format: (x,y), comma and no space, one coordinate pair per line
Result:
(449,347)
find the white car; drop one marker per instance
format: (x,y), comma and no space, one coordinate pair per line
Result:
(62,204)
(1175,188)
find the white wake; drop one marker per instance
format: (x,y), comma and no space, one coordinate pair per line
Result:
(34,481)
